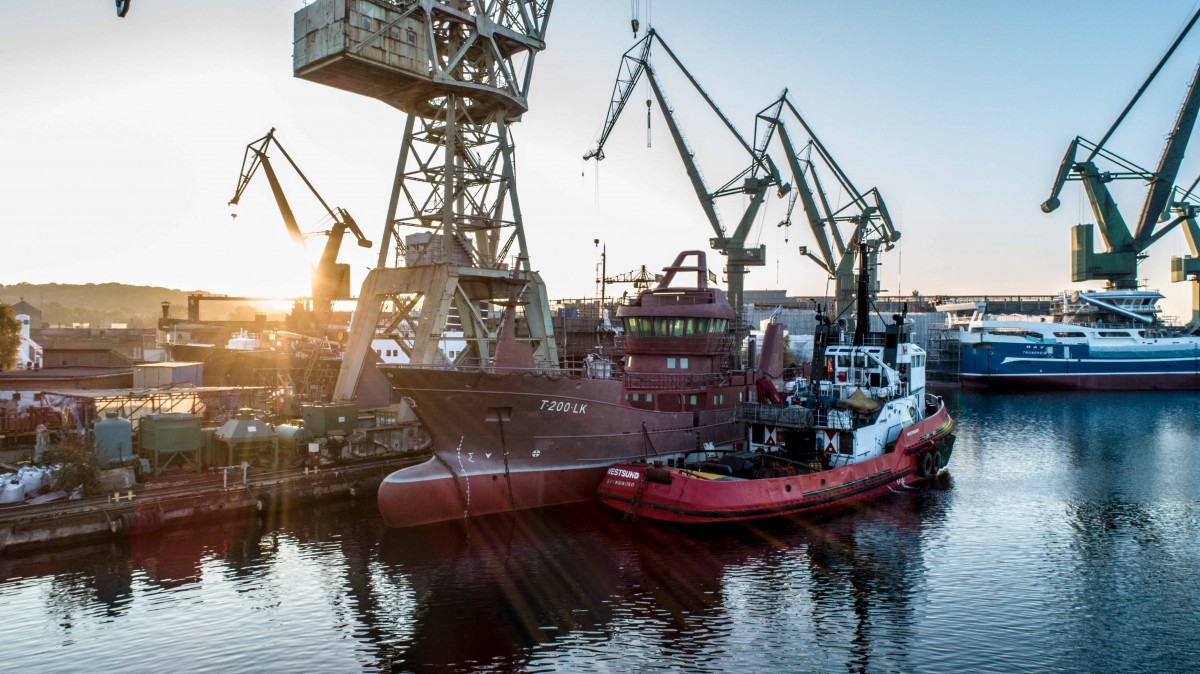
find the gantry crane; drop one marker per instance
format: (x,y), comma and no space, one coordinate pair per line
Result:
(873,229)
(641,279)
(454,235)
(330,280)
(753,181)
(1117,266)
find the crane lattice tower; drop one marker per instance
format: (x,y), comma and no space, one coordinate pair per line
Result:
(453,241)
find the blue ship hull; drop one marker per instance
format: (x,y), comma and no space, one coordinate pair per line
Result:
(1040,366)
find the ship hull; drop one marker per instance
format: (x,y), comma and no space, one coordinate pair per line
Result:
(1057,356)
(1099,381)
(511,441)
(684,496)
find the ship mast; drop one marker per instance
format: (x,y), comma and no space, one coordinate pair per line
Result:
(862,297)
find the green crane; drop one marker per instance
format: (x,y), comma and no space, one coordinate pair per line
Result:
(1187,268)
(753,181)
(837,251)
(1117,266)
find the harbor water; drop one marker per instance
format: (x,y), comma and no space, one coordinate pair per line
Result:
(1065,537)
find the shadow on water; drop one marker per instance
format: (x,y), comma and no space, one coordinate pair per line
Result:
(573,588)
(564,587)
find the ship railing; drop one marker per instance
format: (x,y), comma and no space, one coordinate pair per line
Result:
(775,415)
(474,365)
(666,300)
(660,381)
(833,418)
(932,403)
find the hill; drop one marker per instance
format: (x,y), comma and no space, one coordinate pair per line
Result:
(101,304)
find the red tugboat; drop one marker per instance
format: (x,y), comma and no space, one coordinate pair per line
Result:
(864,424)
(509,436)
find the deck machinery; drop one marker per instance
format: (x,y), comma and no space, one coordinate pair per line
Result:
(453,237)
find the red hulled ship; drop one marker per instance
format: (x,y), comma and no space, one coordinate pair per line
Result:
(863,424)
(509,436)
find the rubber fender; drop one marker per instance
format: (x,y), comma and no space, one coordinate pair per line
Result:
(659,475)
(925,464)
(141,522)
(269,502)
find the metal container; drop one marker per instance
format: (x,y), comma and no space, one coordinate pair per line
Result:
(247,438)
(323,418)
(159,375)
(114,440)
(361,46)
(293,440)
(167,437)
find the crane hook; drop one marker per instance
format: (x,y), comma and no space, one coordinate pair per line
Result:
(122,7)
(647,122)
(635,25)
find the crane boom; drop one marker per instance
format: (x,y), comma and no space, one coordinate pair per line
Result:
(330,281)
(635,62)
(1117,265)
(1172,157)
(873,229)
(686,154)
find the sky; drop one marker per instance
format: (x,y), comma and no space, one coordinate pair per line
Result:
(121,139)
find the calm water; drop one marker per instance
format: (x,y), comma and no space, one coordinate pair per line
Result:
(1066,538)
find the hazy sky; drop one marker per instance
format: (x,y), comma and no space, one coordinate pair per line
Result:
(121,139)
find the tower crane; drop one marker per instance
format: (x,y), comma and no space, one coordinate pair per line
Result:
(753,181)
(873,229)
(330,280)
(1117,266)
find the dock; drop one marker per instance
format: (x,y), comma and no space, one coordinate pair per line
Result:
(230,492)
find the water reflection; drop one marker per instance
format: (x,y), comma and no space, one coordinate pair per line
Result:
(1064,528)
(575,584)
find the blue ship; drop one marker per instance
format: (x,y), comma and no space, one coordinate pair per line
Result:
(1096,340)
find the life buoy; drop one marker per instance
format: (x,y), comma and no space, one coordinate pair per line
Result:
(925,464)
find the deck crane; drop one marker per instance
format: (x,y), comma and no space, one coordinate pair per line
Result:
(753,181)
(1117,266)
(872,231)
(330,280)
